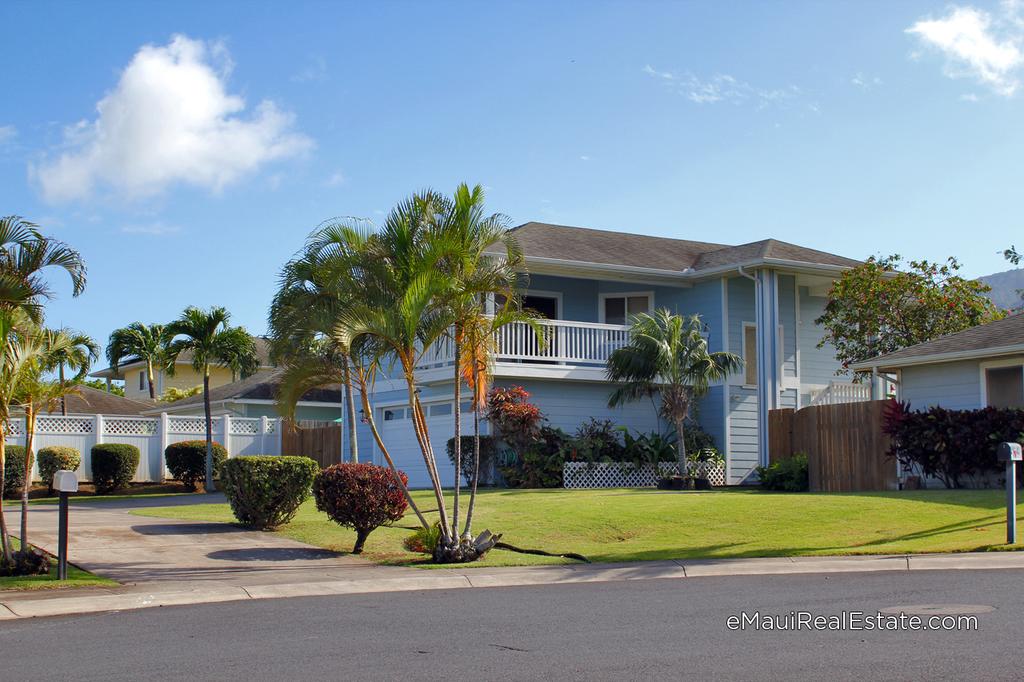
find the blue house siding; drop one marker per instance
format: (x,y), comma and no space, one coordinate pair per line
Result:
(954,385)
(568,404)
(742,433)
(711,416)
(817,365)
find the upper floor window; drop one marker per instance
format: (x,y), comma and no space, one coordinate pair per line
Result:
(142,381)
(1004,386)
(618,308)
(750,354)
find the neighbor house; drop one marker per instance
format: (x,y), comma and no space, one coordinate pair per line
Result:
(256,396)
(978,367)
(133,372)
(758,300)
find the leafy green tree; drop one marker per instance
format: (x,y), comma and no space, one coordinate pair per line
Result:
(881,306)
(667,356)
(101,385)
(138,341)
(207,335)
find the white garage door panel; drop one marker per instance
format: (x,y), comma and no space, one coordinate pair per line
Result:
(400,439)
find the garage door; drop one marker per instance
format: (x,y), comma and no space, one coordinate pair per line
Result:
(396,431)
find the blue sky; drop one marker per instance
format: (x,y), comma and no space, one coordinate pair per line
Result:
(188,148)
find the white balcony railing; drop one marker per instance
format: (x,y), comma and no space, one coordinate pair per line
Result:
(558,342)
(838,392)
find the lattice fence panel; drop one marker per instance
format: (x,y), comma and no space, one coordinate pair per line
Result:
(65,425)
(271,426)
(15,427)
(130,427)
(192,425)
(625,475)
(245,427)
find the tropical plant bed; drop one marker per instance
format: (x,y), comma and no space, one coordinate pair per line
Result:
(76,578)
(635,525)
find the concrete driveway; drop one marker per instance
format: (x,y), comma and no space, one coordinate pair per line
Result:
(107,539)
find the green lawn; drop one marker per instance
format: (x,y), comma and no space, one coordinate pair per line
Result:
(631,525)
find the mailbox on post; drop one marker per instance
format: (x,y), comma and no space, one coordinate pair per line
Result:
(64,482)
(1011,453)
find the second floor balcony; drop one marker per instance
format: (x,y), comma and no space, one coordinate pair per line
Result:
(562,348)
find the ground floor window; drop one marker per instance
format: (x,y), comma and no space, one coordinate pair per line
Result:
(1004,386)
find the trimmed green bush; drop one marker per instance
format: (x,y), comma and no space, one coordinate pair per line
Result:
(113,466)
(264,491)
(53,459)
(788,475)
(14,470)
(187,461)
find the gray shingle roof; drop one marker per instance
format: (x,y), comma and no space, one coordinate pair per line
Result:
(260,386)
(561,242)
(89,400)
(1004,333)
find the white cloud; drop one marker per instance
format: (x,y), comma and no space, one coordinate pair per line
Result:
(169,120)
(7,134)
(157,229)
(336,179)
(315,71)
(722,87)
(584,158)
(976,46)
(865,82)
(969,97)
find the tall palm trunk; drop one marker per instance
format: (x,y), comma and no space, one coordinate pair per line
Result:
(149,378)
(368,411)
(422,437)
(468,532)
(63,402)
(457,410)
(30,433)
(681,444)
(353,441)
(210,487)
(4,542)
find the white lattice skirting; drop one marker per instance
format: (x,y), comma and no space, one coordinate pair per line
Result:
(626,475)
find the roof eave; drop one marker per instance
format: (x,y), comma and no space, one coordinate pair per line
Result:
(883,363)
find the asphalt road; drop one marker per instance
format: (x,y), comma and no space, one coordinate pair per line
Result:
(656,629)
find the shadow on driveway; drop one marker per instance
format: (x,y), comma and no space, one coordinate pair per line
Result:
(273,554)
(185,528)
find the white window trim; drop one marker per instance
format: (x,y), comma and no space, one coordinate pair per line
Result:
(602,297)
(994,364)
(557,295)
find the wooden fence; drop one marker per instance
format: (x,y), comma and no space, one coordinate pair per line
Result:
(844,444)
(321,443)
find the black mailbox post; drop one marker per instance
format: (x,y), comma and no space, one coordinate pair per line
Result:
(1011,454)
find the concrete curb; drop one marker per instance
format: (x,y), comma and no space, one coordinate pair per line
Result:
(29,605)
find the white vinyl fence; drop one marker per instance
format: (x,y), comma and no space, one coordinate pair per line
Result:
(151,435)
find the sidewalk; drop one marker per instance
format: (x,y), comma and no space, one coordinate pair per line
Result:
(383,579)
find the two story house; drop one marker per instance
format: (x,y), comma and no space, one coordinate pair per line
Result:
(758,300)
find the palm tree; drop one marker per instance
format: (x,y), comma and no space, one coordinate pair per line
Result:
(24,254)
(140,341)
(667,355)
(43,350)
(469,235)
(316,286)
(212,342)
(76,352)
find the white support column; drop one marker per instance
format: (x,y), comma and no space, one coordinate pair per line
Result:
(279,434)
(165,440)
(769,371)
(99,429)
(226,436)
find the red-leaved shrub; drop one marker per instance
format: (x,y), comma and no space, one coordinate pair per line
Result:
(361,497)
